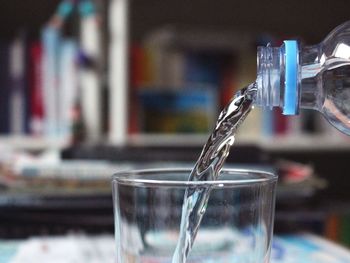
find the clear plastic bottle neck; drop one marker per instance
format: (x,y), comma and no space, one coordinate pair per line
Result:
(310,90)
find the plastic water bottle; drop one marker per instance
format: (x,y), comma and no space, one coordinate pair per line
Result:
(310,77)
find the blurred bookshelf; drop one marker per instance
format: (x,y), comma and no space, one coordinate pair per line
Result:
(148,73)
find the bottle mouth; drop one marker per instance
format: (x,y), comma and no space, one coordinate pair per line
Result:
(277,77)
(268,80)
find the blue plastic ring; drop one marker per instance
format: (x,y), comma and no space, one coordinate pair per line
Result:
(291,77)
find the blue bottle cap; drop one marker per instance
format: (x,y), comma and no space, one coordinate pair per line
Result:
(291,77)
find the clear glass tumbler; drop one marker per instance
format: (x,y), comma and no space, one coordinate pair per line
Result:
(236,228)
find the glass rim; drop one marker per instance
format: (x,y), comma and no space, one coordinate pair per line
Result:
(125,178)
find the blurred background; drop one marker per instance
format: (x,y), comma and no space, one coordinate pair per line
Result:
(90,87)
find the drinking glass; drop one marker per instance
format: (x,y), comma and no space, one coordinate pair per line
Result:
(236,227)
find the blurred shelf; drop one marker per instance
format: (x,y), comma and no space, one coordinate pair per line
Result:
(179,140)
(32,143)
(167,139)
(278,143)
(305,143)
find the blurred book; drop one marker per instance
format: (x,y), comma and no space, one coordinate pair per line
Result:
(19,94)
(188,110)
(90,76)
(36,119)
(68,87)
(5,88)
(51,38)
(337,225)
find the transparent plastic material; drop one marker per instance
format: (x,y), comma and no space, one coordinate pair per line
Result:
(323,77)
(237,224)
(270,77)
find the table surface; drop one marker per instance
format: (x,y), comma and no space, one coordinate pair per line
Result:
(301,248)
